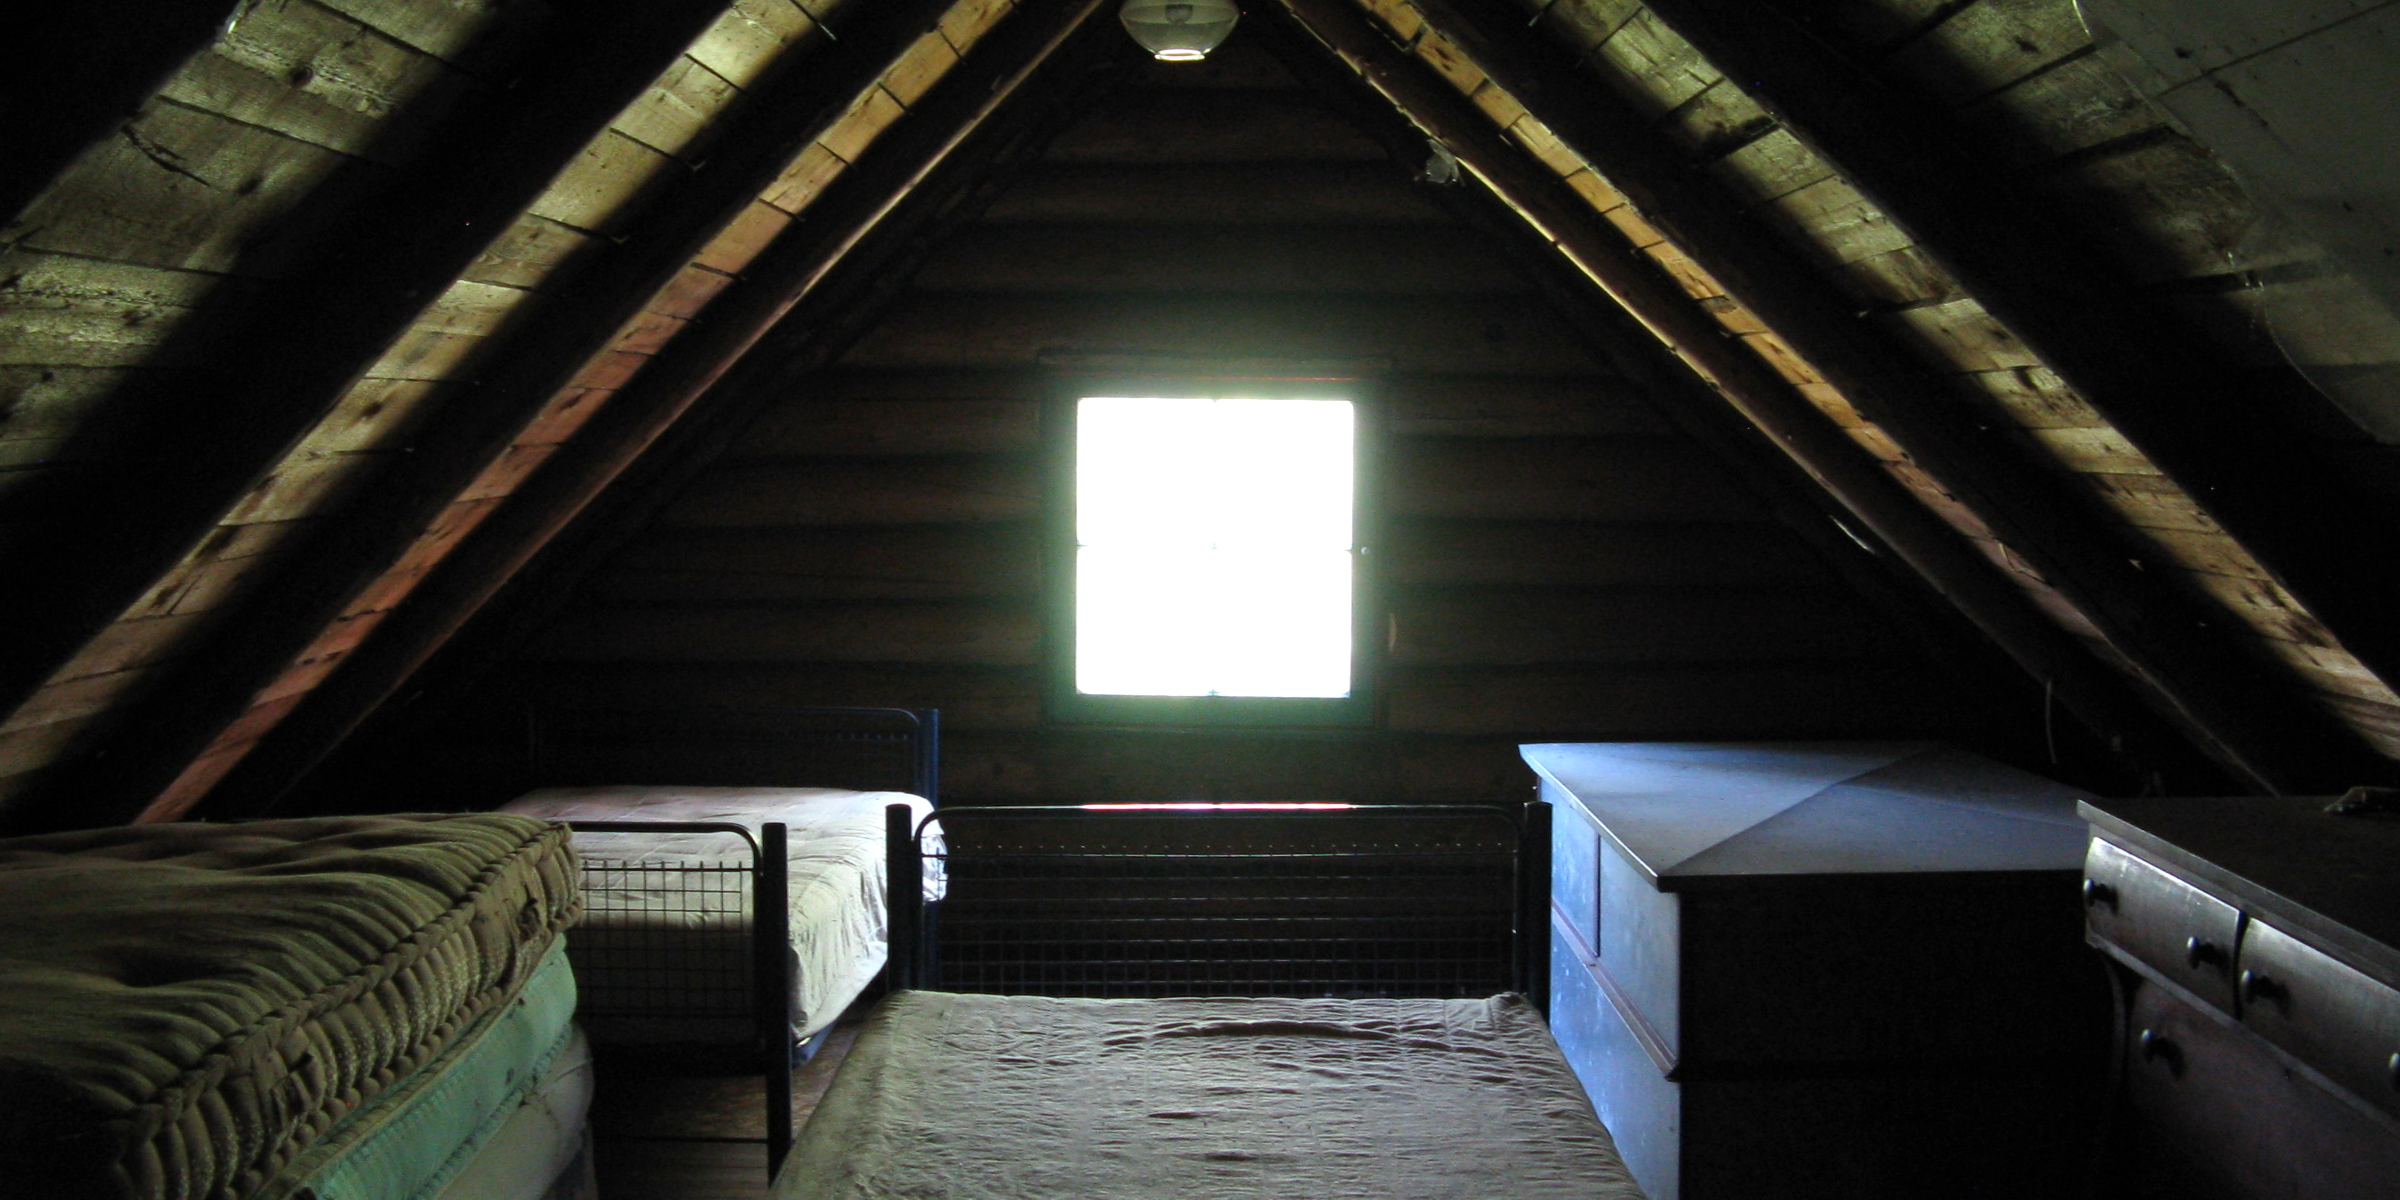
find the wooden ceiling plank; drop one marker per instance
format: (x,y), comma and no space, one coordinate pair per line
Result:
(82,71)
(2060,528)
(754,308)
(2179,398)
(92,540)
(470,442)
(2150,751)
(1838,464)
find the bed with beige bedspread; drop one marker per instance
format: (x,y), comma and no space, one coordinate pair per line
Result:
(971,1097)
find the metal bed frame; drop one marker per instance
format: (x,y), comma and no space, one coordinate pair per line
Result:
(1223,899)
(662,970)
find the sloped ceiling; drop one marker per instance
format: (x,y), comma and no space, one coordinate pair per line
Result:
(418,281)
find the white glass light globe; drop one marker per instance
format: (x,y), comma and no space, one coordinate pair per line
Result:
(1179,30)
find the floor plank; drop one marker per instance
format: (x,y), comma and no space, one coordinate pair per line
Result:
(664,1138)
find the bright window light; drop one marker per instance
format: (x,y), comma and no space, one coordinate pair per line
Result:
(1214,547)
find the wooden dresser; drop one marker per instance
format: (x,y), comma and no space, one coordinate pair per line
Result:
(1825,969)
(2261,992)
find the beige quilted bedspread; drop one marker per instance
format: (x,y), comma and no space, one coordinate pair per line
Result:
(956,1097)
(182,1007)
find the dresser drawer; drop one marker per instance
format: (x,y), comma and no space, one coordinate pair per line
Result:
(2327,1015)
(2212,1114)
(2183,934)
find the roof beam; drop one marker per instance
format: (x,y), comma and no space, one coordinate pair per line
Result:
(83,543)
(760,324)
(312,586)
(2188,407)
(2149,753)
(1838,464)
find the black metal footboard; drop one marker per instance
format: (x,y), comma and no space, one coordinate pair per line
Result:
(698,944)
(1223,900)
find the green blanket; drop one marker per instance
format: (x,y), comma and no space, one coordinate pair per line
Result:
(184,1007)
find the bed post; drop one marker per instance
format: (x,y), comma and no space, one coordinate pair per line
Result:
(1533,905)
(771,926)
(904,891)
(929,755)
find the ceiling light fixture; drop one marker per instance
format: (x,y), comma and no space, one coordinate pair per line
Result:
(1179,30)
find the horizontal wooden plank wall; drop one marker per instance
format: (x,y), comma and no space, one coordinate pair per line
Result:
(1562,562)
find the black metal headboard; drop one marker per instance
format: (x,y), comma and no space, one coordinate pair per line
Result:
(1251,900)
(863,749)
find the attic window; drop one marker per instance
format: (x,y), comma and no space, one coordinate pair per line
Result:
(1213,564)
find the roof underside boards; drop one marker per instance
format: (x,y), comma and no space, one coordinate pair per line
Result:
(653,277)
(1846,472)
(1896,285)
(240,270)
(2106,171)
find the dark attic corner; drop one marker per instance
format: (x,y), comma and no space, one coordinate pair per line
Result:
(1799,574)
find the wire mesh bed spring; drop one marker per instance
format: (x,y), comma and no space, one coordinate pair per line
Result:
(668,940)
(652,946)
(1225,900)
(689,953)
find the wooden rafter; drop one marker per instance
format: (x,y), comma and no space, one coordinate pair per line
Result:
(312,589)
(760,325)
(2150,750)
(1845,470)
(2185,404)
(2165,635)
(84,544)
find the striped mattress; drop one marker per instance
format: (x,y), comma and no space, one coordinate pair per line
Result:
(186,1009)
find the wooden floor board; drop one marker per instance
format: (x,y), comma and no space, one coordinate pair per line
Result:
(659,1138)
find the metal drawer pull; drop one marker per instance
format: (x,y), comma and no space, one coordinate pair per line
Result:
(2391,1068)
(2256,987)
(2096,893)
(2198,952)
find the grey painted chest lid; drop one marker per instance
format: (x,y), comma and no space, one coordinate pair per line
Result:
(1689,812)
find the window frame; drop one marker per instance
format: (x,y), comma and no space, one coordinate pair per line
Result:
(1064,704)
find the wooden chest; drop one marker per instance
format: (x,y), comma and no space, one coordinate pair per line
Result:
(1824,969)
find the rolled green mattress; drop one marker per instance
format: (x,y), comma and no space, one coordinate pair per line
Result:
(184,1009)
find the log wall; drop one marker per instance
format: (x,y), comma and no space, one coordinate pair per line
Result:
(1562,563)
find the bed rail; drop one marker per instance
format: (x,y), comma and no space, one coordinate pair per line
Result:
(660,941)
(1223,899)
